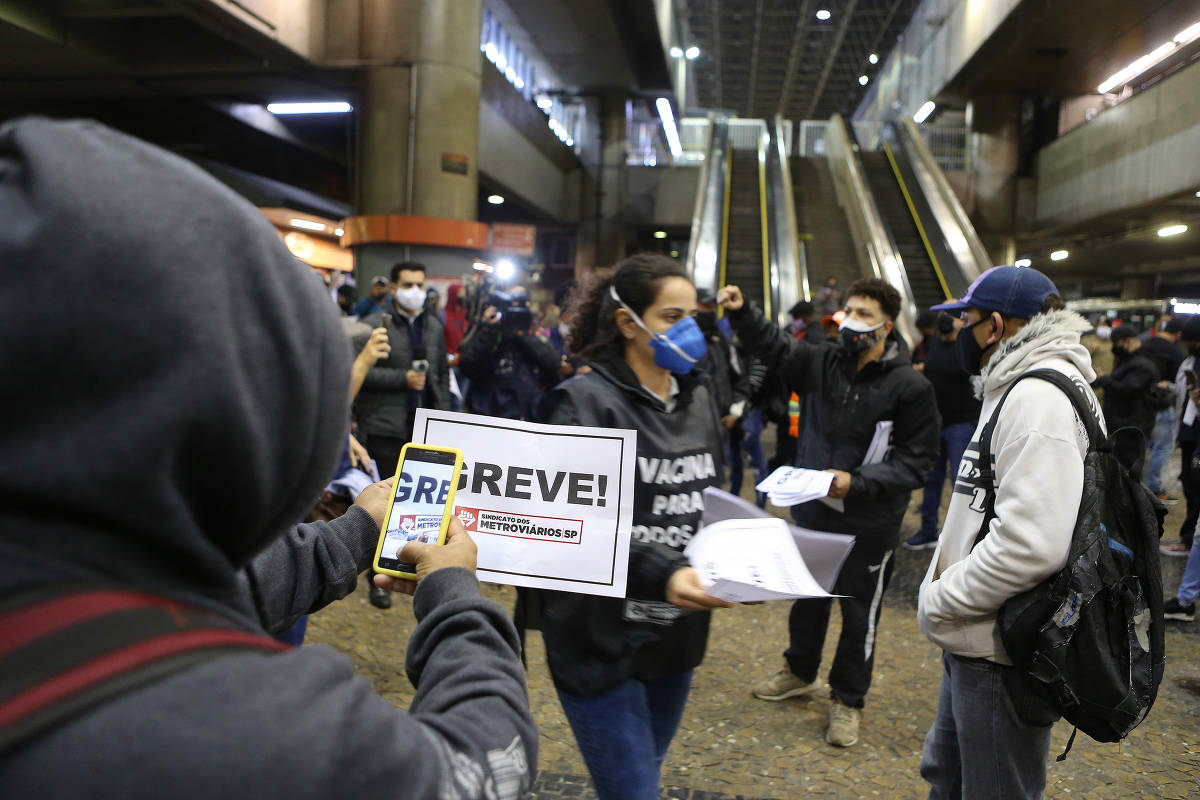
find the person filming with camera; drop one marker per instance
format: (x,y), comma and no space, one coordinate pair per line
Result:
(508,364)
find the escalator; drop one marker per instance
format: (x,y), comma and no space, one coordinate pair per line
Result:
(744,230)
(821,223)
(924,275)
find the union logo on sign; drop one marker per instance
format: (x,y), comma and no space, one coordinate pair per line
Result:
(466,518)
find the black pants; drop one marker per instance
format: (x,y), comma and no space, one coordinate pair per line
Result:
(1189,476)
(864,578)
(386,452)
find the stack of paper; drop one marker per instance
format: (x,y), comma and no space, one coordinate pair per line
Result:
(823,552)
(791,486)
(744,560)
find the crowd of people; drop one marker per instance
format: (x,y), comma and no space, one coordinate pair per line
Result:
(172,464)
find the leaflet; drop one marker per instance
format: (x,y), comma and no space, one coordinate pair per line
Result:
(746,560)
(790,486)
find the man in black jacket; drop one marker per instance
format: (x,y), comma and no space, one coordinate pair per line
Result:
(1129,396)
(1163,349)
(850,392)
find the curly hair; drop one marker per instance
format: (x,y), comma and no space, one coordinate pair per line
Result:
(637,280)
(880,291)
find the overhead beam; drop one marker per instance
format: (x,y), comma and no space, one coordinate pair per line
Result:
(758,11)
(717,72)
(798,37)
(107,9)
(831,59)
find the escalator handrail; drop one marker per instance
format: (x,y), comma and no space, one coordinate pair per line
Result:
(706,246)
(948,212)
(788,276)
(916,218)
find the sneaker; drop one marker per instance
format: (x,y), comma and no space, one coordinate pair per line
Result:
(843,724)
(380,598)
(1173,609)
(1175,549)
(921,541)
(1166,499)
(784,684)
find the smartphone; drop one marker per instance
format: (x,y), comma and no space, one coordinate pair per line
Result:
(421,506)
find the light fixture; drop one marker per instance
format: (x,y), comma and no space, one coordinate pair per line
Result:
(924,111)
(1059,255)
(1197,194)
(823,14)
(1172,230)
(668,120)
(1187,34)
(674,254)
(692,53)
(862,80)
(496,199)
(309,108)
(1023,262)
(543,102)
(339,231)
(482,266)
(505,269)
(660,234)
(676,52)
(306,224)
(1136,68)
(570,142)
(873,58)
(519,83)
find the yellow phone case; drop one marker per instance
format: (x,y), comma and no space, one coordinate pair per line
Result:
(446,514)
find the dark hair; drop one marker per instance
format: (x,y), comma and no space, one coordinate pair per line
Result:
(801,310)
(637,280)
(409,265)
(926,319)
(880,291)
(562,295)
(1053,303)
(346,290)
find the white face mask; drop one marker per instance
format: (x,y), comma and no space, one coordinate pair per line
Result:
(411,299)
(850,324)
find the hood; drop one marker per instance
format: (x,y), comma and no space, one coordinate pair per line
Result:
(453,293)
(1054,334)
(176,383)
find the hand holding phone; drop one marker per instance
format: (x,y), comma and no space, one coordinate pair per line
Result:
(458,551)
(421,506)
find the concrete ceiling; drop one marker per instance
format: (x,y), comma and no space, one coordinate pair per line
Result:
(759,58)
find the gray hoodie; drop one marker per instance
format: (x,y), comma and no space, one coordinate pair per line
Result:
(175,397)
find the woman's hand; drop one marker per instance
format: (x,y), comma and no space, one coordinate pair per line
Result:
(685,590)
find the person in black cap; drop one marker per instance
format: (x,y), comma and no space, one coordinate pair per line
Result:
(981,744)
(1163,349)
(1130,399)
(729,384)
(376,299)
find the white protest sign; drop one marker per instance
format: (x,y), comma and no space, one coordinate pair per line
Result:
(549,506)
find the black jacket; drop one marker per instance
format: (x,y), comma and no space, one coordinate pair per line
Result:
(383,405)
(840,406)
(1128,393)
(952,388)
(594,643)
(728,382)
(508,372)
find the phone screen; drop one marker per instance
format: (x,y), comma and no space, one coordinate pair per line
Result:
(422,489)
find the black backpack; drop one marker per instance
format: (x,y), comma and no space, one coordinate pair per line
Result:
(1089,639)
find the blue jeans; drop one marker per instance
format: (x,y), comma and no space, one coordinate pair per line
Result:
(1162,442)
(624,733)
(954,441)
(1189,587)
(748,440)
(978,746)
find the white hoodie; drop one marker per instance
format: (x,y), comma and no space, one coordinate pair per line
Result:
(1038,447)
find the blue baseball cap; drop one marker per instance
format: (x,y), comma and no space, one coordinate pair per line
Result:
(1011,291)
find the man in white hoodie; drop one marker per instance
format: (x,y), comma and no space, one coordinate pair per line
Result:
(987,739)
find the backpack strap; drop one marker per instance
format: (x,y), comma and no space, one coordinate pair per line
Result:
(987,472)
(65,650)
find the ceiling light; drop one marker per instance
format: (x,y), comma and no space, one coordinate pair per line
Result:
(570,142)
(660,234)
(1197,194)
(1023,262)
(1172,230)
(505,269)
(306,224)
(924,111)
(674,254)
(309,108)
(519,83)
(873,58)
(668,120)
(862,80)
(482,266)
(823,14)
(1136,68)
(692,53)
(1059,255)
(495,199)
(339,231)
(1187,34)
(676,52)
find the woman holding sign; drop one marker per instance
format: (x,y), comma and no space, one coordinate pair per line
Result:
(623,667)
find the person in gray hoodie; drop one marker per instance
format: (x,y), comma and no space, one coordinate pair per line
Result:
(160,432)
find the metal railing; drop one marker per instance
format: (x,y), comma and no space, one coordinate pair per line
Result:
(707,242)
(786,275)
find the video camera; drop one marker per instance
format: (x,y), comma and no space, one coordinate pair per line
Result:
(513,307)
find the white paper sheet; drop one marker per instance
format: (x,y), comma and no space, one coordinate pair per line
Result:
(823,553)
(549,506)
(744,560)
(790,486)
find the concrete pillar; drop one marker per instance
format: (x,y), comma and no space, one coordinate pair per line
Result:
(996,121)
(418,122)
(611,237)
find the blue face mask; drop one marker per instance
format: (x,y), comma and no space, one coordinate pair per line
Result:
(678,348)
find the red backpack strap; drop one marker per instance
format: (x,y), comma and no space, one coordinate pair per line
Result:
(64,650)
